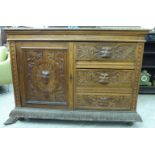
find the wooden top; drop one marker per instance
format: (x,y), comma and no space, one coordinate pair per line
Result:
(132,34)
(110,29)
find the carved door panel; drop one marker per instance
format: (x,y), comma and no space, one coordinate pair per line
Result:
(43,74)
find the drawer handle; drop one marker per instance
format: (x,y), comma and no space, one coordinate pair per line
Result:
(45,73)
(104,101)
(105,53)
(104,78)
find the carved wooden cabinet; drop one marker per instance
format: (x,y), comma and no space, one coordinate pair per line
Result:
(76,74)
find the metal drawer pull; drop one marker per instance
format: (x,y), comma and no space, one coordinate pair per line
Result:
(104,78)
(45,73)
(104,101)
(105,52)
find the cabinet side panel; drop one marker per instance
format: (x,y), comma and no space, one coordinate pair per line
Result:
(15,73)
(138,65)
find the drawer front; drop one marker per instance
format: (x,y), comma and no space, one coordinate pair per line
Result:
(103,101)
(121,52)
(99,79)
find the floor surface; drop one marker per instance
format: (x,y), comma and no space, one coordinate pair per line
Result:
(146,108)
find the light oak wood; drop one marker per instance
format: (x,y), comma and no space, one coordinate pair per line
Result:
(104,78)
(37,88)
(86,69)
(103,101)
(110,65)
(106,52)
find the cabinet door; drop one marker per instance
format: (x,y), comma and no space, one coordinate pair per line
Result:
(43,72)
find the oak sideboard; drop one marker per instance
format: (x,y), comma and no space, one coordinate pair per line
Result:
(76,74)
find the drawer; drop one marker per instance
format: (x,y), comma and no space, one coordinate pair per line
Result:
(102,51)
(103,101)
(103,80)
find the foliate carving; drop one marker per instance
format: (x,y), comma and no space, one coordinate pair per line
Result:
(15,72)
(103,101)
(46,77)
(103,77)
(106,51)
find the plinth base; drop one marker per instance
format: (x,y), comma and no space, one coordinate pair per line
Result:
(77,115)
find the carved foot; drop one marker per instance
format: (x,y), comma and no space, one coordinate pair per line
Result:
(11,120)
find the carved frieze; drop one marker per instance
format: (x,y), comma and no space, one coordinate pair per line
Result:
(103,101)
(104,78)
(106,51)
